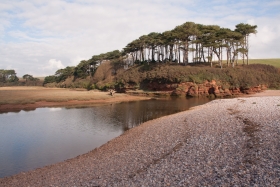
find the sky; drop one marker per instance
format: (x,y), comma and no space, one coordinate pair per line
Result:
(38,37)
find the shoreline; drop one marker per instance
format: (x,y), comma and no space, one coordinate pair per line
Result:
(224,140)
(4,108)
(15,99)
(265,93)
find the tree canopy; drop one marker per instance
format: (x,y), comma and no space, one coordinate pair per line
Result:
(28,77)
(191,42)
(8,76)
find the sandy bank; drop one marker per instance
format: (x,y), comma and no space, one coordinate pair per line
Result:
(222,143)
(14,99)
(68,104)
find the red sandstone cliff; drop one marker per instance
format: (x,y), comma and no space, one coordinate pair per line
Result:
(211,89)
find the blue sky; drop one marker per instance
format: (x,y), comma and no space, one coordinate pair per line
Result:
(39,37)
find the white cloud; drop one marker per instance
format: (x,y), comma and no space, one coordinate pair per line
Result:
(266,43)
(54,64)
(33,32)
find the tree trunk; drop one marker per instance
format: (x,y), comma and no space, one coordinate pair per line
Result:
(179,55)
(149,52)
(228,52)
(186,55)
(145,54)
(202,54)
(133,57)
(142,54)
(208,55)
(176,53)
(166,52)
(171,52)
(211,56)
(247,47)
(153,53)
(162,53)
(221,60)
(196,52)
(236,60)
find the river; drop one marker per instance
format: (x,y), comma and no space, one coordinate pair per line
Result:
(33,139)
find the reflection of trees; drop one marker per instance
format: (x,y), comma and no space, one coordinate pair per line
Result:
(129,115)
(142,111)
(123,116)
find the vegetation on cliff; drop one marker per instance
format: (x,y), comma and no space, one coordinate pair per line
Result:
(186,43)
(239,77)
(185,54)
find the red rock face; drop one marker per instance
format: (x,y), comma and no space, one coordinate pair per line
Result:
(200,90)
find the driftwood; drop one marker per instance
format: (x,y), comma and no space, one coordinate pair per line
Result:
(112,92)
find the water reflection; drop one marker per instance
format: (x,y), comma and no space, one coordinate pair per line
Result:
(45,136)
(54,109)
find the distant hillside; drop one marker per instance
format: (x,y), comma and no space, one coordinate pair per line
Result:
(273,61)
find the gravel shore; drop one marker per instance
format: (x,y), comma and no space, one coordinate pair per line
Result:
(229,142)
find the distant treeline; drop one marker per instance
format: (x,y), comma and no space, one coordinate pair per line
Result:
(9,78)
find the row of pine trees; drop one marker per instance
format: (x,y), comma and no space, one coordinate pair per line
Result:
(191,42)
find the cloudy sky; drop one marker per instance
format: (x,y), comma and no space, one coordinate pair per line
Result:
(38,37)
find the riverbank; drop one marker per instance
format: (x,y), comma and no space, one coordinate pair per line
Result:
(266,93)
(14,99)
(222,143)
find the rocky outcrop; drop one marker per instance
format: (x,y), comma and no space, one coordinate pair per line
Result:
(208,88)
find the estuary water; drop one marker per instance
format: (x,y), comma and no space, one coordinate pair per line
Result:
(45,136)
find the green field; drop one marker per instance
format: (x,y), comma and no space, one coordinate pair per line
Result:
(273,61)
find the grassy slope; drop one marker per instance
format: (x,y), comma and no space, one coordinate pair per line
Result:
(104,78)
(240,76)
(274,61)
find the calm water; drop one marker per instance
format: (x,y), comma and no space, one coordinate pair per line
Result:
(33,139)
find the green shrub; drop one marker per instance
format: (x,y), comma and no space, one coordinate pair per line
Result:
(49,79)
(240,76)
(90,86)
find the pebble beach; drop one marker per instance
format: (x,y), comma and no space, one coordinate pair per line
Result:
(226,142)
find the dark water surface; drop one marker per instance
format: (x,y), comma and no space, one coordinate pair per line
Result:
(45,136)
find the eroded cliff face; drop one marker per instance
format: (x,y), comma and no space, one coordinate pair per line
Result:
(206,89)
